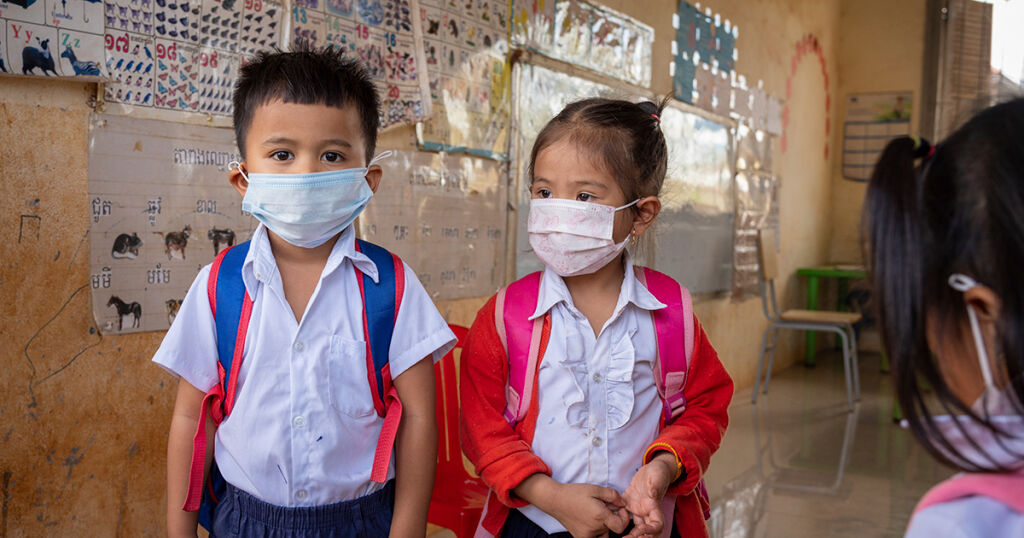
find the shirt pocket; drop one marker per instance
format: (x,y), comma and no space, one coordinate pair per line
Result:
(348,383)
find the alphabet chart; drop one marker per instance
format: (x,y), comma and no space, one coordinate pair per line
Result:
(161,208)
(385,36)
(465,44)
(53,38)
(445,216)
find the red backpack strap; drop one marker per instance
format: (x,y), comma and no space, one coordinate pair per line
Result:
(673,326)
(521,338)
(227,295)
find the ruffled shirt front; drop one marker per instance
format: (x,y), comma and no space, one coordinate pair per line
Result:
(598,400)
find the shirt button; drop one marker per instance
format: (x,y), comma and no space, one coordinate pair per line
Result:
(596,441)
(299,421)
(597,378)
(301,494)
(298,346)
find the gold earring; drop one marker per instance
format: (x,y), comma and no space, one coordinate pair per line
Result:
(633,239)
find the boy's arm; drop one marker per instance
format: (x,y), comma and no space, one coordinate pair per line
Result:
(697,433)
(415,450)
(187,407)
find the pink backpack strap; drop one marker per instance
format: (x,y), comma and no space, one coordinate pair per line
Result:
(520,337)
(1005,488)
(674,328)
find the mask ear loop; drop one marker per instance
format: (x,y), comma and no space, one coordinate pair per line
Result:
(962,283)
(380,157)
(235,164)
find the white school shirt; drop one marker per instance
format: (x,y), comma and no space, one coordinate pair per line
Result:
(303,430)
(598,402)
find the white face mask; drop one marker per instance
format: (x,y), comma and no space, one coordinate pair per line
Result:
(307,210)
(572,237)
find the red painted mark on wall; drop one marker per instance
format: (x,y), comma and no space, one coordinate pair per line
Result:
(808,45)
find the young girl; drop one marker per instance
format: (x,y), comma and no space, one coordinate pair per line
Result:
(946,249)
(591,452)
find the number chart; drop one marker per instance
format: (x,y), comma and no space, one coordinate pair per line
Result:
(161,209)
(383,36)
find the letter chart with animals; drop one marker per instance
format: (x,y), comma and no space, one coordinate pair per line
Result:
(184,55)
(161,209)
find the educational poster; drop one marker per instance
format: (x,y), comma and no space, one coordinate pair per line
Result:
(694,232)
(445,216)
(587,34)
(533,23)
(757,206)
(541,94)
(184,55)
(701,38)
(161,208)
(466,44)
(52,38)
(872,120)
(385,36)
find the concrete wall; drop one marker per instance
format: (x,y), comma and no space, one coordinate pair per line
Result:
(85,416)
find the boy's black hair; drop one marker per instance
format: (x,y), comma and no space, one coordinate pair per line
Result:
(960,211)
(306,76)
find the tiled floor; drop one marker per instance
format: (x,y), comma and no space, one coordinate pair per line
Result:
(780,471)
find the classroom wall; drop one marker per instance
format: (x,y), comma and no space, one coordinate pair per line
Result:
(85,415)
(769,35)
(877,53)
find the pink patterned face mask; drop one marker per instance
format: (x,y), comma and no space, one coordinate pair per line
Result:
(572,237)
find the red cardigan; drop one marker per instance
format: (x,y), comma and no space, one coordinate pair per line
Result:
(503,456)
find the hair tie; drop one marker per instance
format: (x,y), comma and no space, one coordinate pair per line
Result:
(655,116)
(922,147)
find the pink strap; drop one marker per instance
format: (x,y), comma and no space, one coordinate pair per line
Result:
(1005,488)
(386,441)
(522,341)
(198,466)
(674,328)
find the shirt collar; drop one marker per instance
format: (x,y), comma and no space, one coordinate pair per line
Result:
(259,264)
(553,291)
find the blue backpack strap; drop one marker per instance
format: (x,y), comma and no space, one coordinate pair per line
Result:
(381,301)
(227,306)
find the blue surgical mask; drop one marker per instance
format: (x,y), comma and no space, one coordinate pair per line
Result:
(307,210)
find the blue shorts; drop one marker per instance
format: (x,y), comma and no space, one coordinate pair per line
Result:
(241,514)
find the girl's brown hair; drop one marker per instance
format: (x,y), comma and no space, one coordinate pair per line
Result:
(626,138)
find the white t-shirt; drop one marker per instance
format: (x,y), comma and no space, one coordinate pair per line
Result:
(303,431)
(598,403)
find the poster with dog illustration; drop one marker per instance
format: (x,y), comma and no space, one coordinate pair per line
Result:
(161,208)
(52,38)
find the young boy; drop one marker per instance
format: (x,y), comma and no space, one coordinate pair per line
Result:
(298,446)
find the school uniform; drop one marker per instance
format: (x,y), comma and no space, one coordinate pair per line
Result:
(975,505)
(303,430)
(596,414)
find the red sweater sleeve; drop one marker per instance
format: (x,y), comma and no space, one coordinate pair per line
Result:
(697,433)
(501,454)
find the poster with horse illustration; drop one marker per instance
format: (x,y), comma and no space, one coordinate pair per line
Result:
(161,209)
